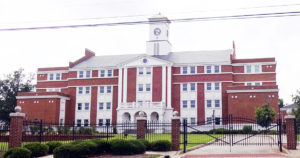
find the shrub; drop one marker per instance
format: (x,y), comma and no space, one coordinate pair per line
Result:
(88,146)
(37,149)
(247,129)
(161,145)
(64,151)
(138,146)
(123,147)
(146,143)
(17,152)
(53,145)
(102,146)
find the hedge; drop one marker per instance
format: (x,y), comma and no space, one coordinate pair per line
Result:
(17,152)
(161,145)
(37,149)
(53,145)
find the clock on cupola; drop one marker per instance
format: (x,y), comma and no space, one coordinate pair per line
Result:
(158,43)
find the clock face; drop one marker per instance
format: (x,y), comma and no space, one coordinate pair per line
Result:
(157,31)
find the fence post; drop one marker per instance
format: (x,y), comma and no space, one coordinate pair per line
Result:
(41,131)
(141,126)
(175,132)
(291,131)
(73,131)
(16,128)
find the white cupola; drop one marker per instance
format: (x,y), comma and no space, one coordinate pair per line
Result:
(158,43)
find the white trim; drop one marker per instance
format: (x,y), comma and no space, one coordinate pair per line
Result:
(254,63)
(257,73)
(200,82)
(54,71)
(252,90)
(254,81)
(43,96)
(203,74)
(125,86)
(54,87)
(163,96)
(120,86)
(169,83)
(123,64)
(51,80)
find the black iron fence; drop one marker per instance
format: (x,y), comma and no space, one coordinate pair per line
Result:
(4,137)
(232,131)
(158,131)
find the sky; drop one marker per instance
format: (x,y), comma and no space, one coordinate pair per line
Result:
(254,38)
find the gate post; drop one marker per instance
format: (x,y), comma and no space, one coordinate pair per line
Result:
(16,128)
(291,131)
(175,132)
(141,126)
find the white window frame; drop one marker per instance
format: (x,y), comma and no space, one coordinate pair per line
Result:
(57,76)
(208,83)
(80,90)
(184,101)
(184,87)
(206,69)
(192,104)
(87,90)
(218,66)
(110,74)
(87,105)
(191,69)
(206,103)
(110,106)
(140,87)
(219,103)
(183,71)
(100,89)
(140,70)
(79,106)
(86,74)
(148,88)
(192,90)
(108,89)
(101,105)
(80,75)
(217,83)
(100,73)
(148,70)
(51,74)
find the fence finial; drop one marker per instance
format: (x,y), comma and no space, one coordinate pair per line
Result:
(18,109)
(175,113)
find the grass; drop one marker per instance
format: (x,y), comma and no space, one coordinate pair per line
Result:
(298,137)
(154,156)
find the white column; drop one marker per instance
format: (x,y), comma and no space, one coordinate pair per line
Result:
(120,86)
(169,86)
(164,84)
(125,86)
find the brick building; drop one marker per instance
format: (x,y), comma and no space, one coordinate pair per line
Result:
(199,85)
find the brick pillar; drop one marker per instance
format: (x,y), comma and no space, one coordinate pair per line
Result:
(141,127)
(291,132)
(175,133)
(16,128)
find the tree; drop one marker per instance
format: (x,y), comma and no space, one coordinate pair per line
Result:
(9,87)
(296,100)
(265,115)
(281,104)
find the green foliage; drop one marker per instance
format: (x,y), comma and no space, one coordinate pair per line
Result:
(146,143)
(296,112)
(247,129)
(37,149)
(87,130)
(9,87)
(64,151)
(161,145)
(123,147)
(281,104)
(265,115)
(80,150)
(63,129)
(17,152)
(102,146)
(53,145)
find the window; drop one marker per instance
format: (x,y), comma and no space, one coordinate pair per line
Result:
(184,70)
(100,122)
(257,83)
(108,105)
(208,120)
(148,70)
(87,90)
(217,103)
(88,74)
(193,102)
(184,104)
(193,120)
(141,70)
(208,86)
(51,76)
(80,89)
(100,106)
(193,70)
(61,122)
(58,76)
(101,89)
(86,122)
(78,122)
(184,87)
(140,87)
(80,74)
(208,69)
(79,106)
(248,68)
(217,69)
(257,68)
(108,122)
(248,84)
(108,90)
(208,103)
(86,106)
(102,73)
(148,87)
(217,120)
(109,73)
(193,88)
(217,86)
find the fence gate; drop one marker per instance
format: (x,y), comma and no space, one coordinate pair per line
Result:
(231,131)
